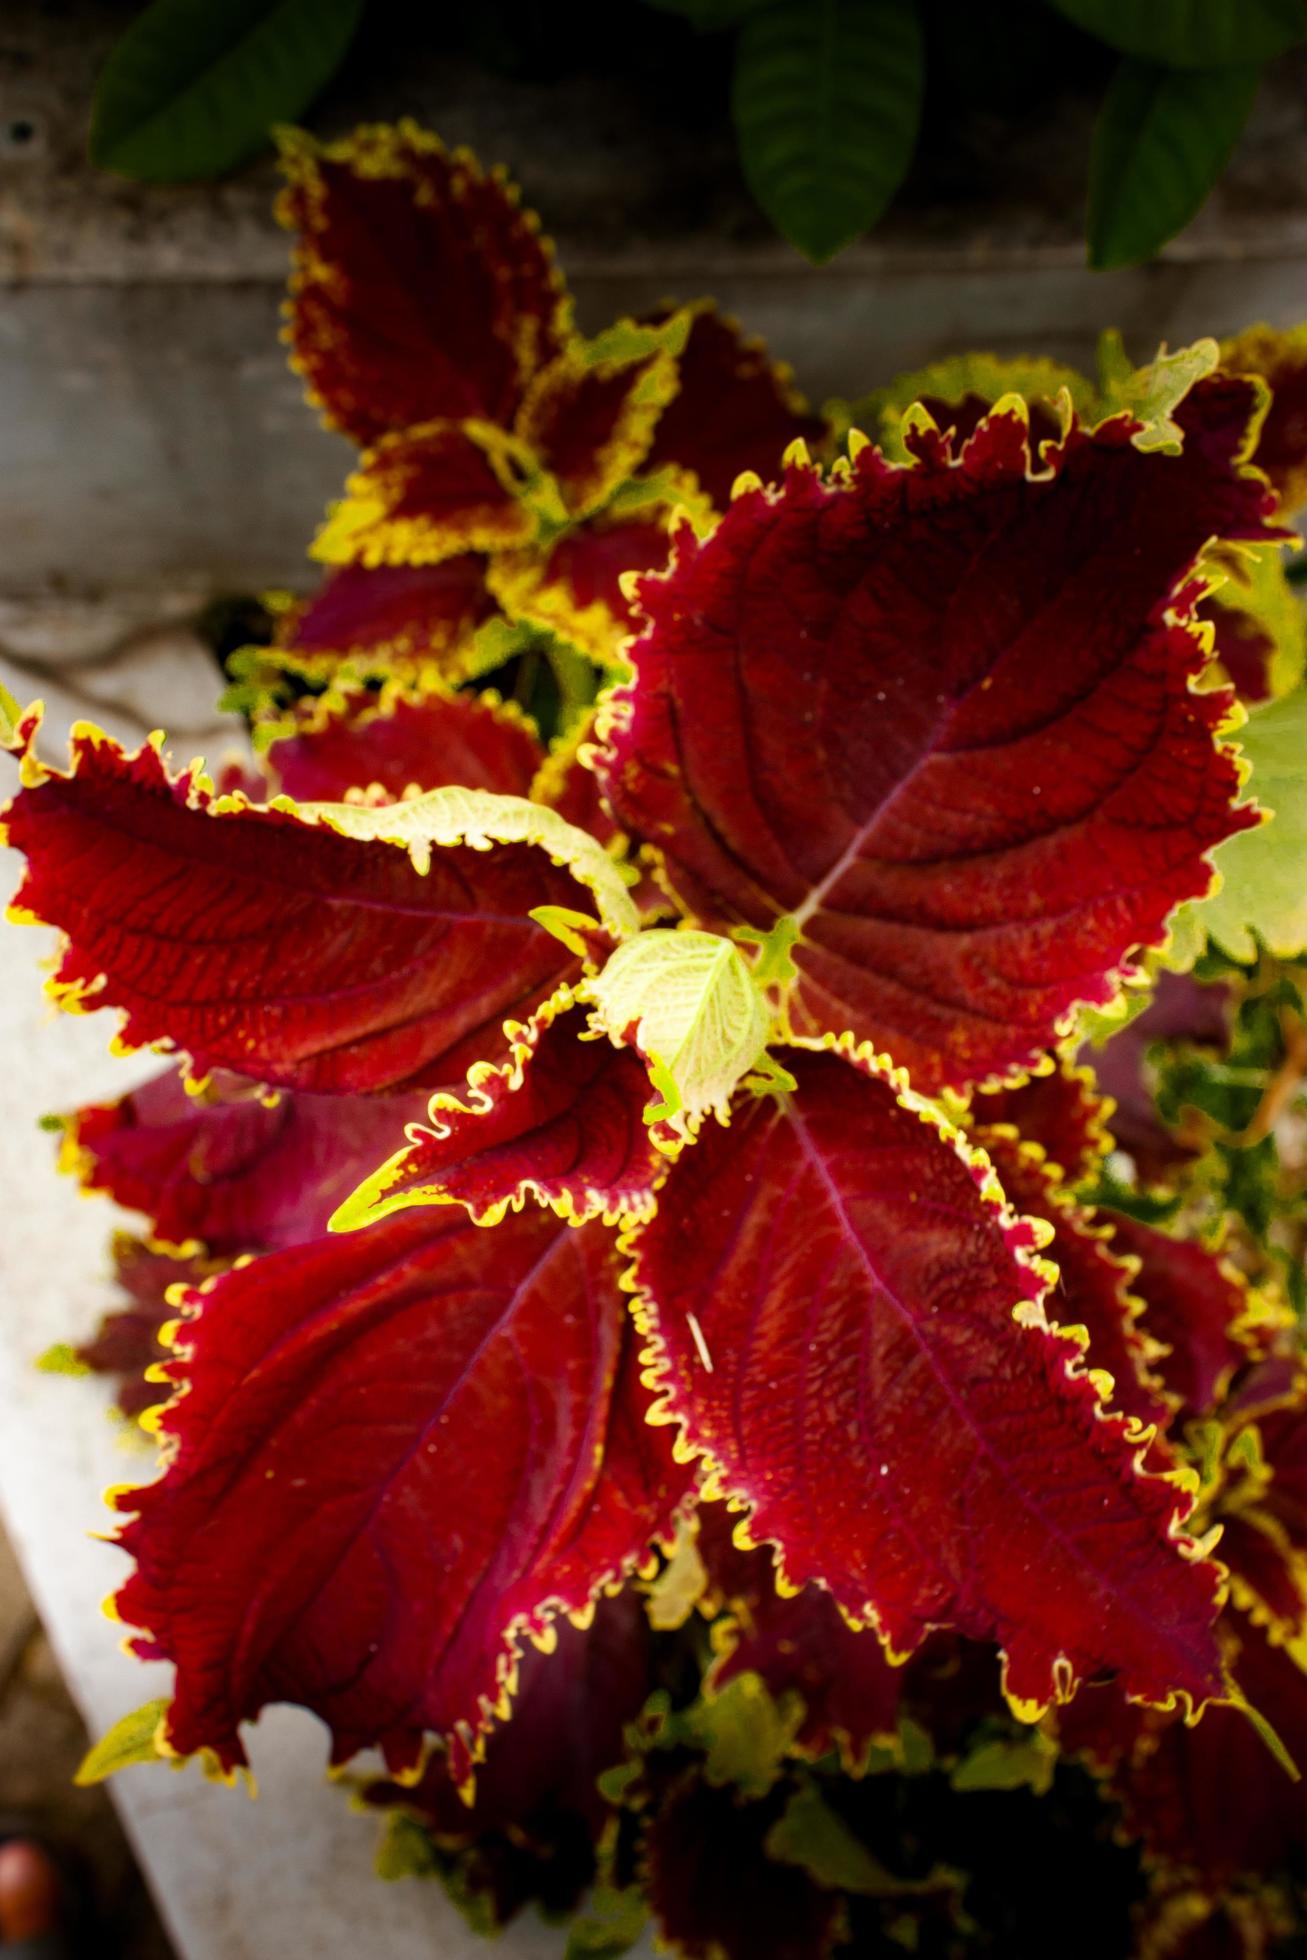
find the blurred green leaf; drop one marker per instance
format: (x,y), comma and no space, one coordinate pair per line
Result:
(194,86)
(1192,33)
(827,100)
(1160,143)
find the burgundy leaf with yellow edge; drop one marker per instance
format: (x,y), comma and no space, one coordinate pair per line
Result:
(561,1123)
(1198,1307)
(935,714)
(390,615)
(355,739)
(1060,1109)
(431,493)
(1093,1283)
(849,1328)
(386,1469)
(265,942)
(1280,358)
(420,287)
(238,1169)
(576,588)
(590,415)
(536,1810)
(126,1344)
(734,411)
(797,1643)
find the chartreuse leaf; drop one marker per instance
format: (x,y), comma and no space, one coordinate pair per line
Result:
(134,1738)
(1263,893)
(1151,393)
(1191,33)
(193,88)
(699,1019)
(826,100)
(404,1850)
(1160,143)
(810,1834)
(1008,1763)
(1256,585)
(610,1925)
(481,819)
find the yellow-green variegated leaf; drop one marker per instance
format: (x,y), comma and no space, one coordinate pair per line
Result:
(1151,392)
(1263,891)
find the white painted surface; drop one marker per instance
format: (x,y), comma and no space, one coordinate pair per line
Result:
(286,1876)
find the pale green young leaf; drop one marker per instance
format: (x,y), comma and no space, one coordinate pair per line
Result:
(702,1022)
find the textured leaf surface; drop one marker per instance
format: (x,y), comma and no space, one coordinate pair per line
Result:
(402,741)
(1280,358)
(192,89)
(857,1294)
(847,709)
(232,1168)
(420,287)
(1162,139)
(734,409)
(561,1122)
(258,941)
(388,1463)
(826,100)
(393,614)
(1263,894)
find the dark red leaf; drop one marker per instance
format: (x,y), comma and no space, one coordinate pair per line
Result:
(576,590)
(1197,1306)
(236,1169)
(589,417)
(935,715)
(126,1342)
(401,741)
(886,1396)
(1182,1009)
(259,941)
(388,1466)
(392,614)
(716,1892)
(735,409)
(420,286)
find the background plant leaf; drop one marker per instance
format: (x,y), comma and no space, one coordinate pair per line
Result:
(193,87)
(1192,33)
(1161,141)
(826,100)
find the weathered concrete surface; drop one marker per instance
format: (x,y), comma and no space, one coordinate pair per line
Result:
(150,436)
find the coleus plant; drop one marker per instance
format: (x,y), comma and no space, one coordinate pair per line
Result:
(656,1338)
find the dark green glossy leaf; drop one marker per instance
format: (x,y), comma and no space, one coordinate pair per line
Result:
(827,99)
(193,87)
(1161,141)
(1192,33)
